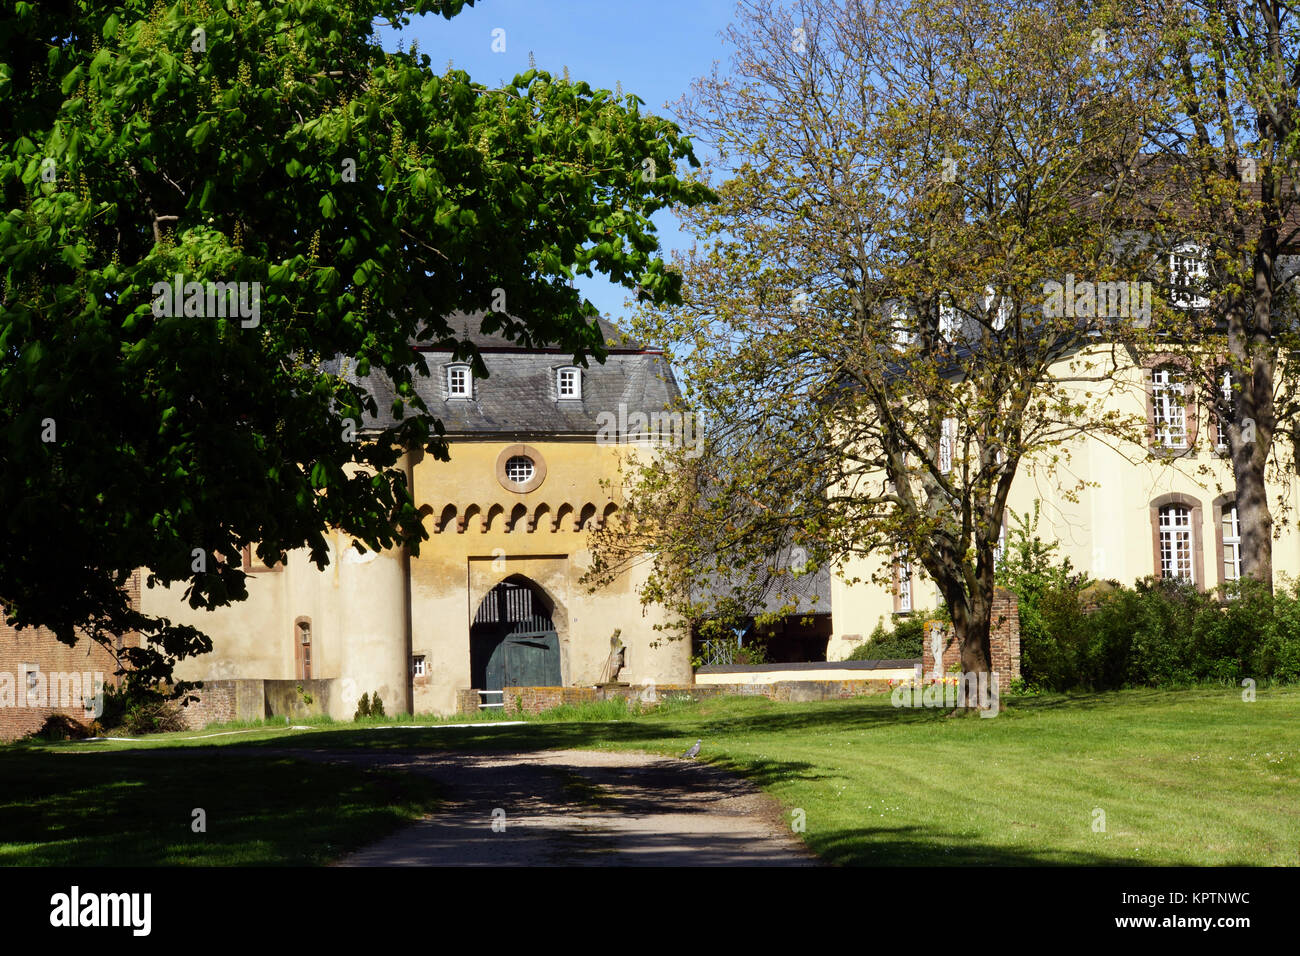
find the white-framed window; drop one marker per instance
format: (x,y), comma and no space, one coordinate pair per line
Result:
(1231,543)
(1223,380)
(520,469)
(459,382)
(1169,407)
(1176,543)
(1188,271)
(903,572)
(900,321)
(998,320)
(417,665)
(1000,549)
(568,383)
(948,320)
(947,443)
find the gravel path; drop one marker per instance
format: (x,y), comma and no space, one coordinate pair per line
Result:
(577,807)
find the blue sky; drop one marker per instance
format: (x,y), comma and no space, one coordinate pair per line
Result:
(654,49)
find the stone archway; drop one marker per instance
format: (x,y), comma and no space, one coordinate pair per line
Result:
(513,640)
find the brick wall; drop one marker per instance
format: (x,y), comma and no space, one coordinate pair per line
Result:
(20,716)
(534,700)
(1004,641)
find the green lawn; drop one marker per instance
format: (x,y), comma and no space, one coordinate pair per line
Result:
(1192,777)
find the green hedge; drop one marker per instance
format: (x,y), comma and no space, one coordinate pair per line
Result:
(1159,634)
(1080,634)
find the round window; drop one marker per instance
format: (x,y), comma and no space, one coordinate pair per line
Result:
(520,469)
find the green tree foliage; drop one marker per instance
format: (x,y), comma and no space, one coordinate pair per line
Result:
(864,325)
(1219,173)
(366,195)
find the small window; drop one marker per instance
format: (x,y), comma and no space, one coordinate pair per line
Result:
(1176,542)
(520,469)
(568,383)
(32,680)
(459,382)
(417,665)
(1169,407)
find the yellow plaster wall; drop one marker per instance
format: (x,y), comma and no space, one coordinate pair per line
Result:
(1106,532)
(358,605)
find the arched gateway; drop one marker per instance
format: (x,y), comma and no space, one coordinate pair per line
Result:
(513,642)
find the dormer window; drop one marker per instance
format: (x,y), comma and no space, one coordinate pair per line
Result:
(568,382)
(1188,271)
(459,383)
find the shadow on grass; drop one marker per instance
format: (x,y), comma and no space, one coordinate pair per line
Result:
(129,809)
(647,730)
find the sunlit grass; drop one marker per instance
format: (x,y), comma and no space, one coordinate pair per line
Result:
(1187,777)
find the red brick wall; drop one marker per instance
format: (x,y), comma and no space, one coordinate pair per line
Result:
(534,700)
(1004,641)
(40,647)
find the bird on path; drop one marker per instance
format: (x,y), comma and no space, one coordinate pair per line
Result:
(694,751)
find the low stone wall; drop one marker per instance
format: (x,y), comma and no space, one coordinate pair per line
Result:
(804,690)
(534,700)
(223,701)
(812,672)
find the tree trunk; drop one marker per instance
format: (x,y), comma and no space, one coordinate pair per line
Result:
(1251,437)
(972,622)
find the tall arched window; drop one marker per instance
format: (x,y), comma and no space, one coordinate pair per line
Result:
(302,648)
(1176,532)
(1176,543)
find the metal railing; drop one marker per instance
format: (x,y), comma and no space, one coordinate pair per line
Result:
(718,650)
(483,694)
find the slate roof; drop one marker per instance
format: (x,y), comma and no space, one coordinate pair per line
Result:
(519,398)
(808,593)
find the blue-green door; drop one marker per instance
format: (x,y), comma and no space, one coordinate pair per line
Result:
(513,642)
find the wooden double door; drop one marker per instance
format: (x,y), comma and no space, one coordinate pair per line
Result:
(513,641)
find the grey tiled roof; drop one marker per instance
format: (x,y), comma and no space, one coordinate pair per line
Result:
(520,395)
(808,593)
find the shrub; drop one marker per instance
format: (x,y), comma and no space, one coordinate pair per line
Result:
(62,727)
(156,716)
(903,642)
(363,707)
(376,706)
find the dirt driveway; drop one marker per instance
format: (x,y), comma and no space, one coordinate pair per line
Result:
(577,807)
